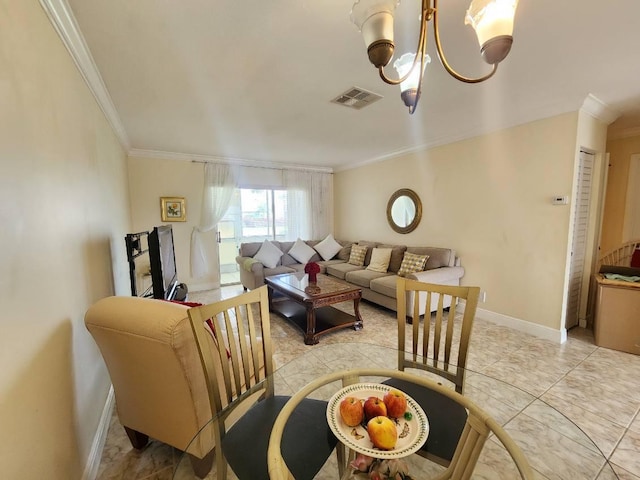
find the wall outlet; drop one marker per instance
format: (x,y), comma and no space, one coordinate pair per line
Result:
(483,296)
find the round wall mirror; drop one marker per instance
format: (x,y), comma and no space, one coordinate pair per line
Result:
(404,211)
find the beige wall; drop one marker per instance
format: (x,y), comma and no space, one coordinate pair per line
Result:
(489,198)
(620,151)
(64,212)
(151,178)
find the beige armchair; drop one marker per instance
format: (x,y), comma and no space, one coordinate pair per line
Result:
(154,365)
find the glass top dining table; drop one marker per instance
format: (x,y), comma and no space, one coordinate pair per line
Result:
(554,446)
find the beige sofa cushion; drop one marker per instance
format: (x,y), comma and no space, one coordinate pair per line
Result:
(380,258)
(385,285)
(339,270)
(397,253)
(363,278)
(369,246)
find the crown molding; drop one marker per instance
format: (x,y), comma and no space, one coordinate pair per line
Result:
(196,158)
(65,24)
(599,110)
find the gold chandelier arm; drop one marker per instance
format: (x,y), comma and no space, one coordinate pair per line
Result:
(443,59)
(421,49)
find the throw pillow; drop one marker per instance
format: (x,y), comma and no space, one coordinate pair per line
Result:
(268,255)
(412,263)
(358,253)
(301,251)
(380,258)
(328,248)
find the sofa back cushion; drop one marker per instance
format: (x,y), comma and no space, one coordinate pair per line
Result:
(269,254)
(397,253)
(301,252)
(380,258)
(369,245)
(345,251)
(328,248)
(249,249)
(438,257)
(358,254)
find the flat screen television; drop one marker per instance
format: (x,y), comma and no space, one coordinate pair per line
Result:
(162,259)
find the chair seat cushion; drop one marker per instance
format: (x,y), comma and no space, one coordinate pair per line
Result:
(307,440)
(446,418)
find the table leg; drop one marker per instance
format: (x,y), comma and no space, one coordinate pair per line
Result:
(310,337)
(356,310)
(270,295)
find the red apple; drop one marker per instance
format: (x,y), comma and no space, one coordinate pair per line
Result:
(396,403)
(351,411)
(382,432)
(374,407)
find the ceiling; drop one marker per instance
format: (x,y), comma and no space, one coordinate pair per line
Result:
(252,80)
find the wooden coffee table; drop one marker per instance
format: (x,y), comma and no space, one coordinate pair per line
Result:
(308,305)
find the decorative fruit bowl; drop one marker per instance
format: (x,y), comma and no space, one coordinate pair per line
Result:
(412,427)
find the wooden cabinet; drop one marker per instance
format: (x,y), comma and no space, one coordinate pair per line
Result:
(617,315)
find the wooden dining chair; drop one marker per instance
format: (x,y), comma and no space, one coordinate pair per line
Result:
(234,342)
(438,345)
(477,427)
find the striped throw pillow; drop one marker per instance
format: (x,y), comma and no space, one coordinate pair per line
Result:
(358,253)
(412,263)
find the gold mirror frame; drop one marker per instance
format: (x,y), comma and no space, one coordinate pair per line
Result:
(413,196)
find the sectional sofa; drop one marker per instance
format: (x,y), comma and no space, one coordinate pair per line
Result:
(442,267)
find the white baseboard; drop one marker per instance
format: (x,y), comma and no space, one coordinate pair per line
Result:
(93,462)
(557,336)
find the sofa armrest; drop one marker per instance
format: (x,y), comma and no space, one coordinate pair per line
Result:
(249,264)
(442,275)
(251,272)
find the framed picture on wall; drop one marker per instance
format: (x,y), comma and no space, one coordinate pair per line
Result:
(173,209)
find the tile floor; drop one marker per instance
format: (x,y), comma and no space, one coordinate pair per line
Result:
(596,388)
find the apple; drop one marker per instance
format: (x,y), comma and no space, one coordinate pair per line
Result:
(374,407)
(351,411)
(396,403)
(382,432)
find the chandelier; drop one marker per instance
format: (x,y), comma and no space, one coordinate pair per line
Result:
(492,21)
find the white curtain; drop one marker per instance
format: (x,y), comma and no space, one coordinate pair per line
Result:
(219,184)
(298,185)
(309,204)
(321,205)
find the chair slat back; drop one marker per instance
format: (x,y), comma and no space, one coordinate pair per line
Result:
(239,351)
(620,256)
(440,344)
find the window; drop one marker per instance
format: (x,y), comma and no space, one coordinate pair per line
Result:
(264,214)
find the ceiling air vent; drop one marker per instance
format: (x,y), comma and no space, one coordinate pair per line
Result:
(357,98)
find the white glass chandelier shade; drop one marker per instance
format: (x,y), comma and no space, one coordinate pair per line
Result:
(493,22)
(374,18)
(404,64)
